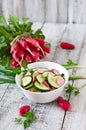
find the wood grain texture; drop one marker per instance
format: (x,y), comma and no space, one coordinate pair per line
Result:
(77,11)
(59,11)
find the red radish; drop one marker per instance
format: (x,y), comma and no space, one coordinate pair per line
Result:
(66,45)
(28,57)
(15,47)
(14,63)
(46,49)
(34,79)
(40,41)
(46,84)
(32,42)
(21,53)
(42,51)
(15,57)
(63,103)
(25,45)
(60,81)
(35,57)
(40,71)
(59,99)
(42,55)
(24,109)
(54,71)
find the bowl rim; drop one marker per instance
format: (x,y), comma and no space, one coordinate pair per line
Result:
(36,93)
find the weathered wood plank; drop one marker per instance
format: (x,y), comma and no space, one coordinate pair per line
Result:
(77,11)
(35,10)
(11,7)
(56,11)
(76,118)
(53,33)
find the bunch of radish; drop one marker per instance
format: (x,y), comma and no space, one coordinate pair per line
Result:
(29,50)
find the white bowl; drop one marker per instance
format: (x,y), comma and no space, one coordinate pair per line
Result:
(44,97)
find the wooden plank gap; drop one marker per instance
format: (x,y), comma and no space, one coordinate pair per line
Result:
(4,92)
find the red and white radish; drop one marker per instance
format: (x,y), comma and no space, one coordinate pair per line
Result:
(25,45)
(40,41)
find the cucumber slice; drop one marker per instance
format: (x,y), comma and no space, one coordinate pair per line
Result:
(52,80)
(45,74)
(29,86)
(40,78)
(33,89)
(26,81)
(41,87)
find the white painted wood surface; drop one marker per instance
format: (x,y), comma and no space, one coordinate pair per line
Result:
(50,116)
(59,11)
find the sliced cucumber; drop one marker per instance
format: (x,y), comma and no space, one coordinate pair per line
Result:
(34,89)
(26,80)
(45,74)
(41,87)
(35,73)
(40,78)
(52,80)
(29,86)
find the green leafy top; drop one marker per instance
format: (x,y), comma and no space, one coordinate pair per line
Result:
(9,30)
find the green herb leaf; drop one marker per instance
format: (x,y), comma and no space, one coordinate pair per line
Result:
(30,115)
(39,34)
(26,124)
(17,120)
(76,92)
(48,44)
(28,118)
(69,88)
(3,21)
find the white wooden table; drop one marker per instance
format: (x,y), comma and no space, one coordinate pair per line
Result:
(50,116)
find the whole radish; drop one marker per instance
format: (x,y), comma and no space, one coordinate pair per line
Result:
(16,58)
(27,57)
(25,45)
(14,63)
(40,41)
(32,42)
(15,47)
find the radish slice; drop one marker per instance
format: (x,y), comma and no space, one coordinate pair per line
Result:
(34,79)
(60,81)
(54,71)
(40,71)
(47,85)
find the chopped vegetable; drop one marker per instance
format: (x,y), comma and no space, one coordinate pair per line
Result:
(42,79)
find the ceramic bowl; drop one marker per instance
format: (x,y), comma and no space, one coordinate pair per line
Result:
(44,97)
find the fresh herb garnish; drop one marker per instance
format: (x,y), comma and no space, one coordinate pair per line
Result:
(70,88)
(27,119)
(17,120)
(71,65)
